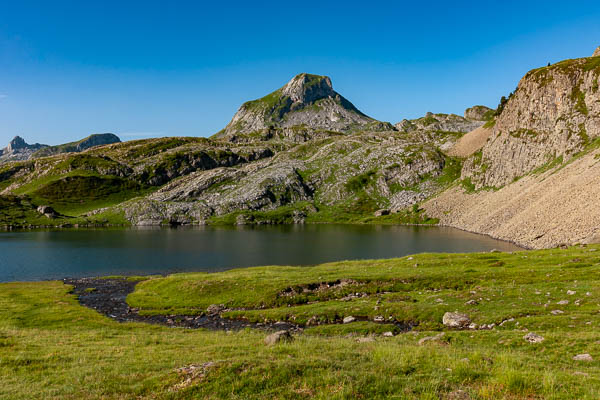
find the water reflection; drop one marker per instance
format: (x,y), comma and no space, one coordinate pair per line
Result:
(39,255)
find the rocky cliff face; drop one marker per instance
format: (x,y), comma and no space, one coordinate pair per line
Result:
(307,101)
(553,114)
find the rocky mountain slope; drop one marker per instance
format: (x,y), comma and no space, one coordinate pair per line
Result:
(534,181)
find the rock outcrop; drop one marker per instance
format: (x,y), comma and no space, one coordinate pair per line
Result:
(553,114)
(307,101)
(442,122)
(479,113)
(596,52)
(18,150)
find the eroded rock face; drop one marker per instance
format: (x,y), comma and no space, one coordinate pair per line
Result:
(596,52)
(555,112)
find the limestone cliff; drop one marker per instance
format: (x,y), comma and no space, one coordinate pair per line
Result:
(553,114)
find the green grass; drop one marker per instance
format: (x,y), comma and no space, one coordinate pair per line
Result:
(52,348)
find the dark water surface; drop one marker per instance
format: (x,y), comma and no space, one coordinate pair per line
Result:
(42,255)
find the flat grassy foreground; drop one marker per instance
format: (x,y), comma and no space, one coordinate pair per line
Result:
(51,347)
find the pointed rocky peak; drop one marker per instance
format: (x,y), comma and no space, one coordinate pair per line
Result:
(597,52)
(17,143)
(308,103)
(308,88)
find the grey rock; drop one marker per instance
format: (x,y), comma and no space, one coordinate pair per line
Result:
(348,319)
(533,338)
(583,357)
(456,320)
(596,52)
(278,337)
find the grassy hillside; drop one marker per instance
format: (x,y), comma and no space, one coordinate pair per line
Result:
(50,347)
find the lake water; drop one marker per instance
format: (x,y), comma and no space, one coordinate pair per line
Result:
(42,255)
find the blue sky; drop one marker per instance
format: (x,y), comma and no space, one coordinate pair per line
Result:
(182,68)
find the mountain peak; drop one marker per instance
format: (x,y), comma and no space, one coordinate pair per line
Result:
(597,52)
(307,88)
(306,102)
(17,143)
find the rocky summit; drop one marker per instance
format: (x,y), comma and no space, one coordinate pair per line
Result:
(18,149)
(525,172)
(305,102)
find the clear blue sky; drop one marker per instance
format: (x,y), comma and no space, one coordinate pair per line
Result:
(175,68)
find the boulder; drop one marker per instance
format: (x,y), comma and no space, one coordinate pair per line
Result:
(583,357)
(278,337)
(348,319)
(456,320)
(533,338)
(47,211)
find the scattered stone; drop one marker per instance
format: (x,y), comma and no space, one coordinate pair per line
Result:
(388,334)
(348,320)
(312,321)
(581,373)
(505,321)
(583,357)
(571,292)
(215,309)
(556,312)
(456,320)
(533,338)
(426,339)
(379,318)
(472,302)
(563,302)
(191,374)
(494,251)
(473,325)
(277,337)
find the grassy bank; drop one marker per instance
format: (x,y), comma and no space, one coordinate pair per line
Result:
(50,347)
